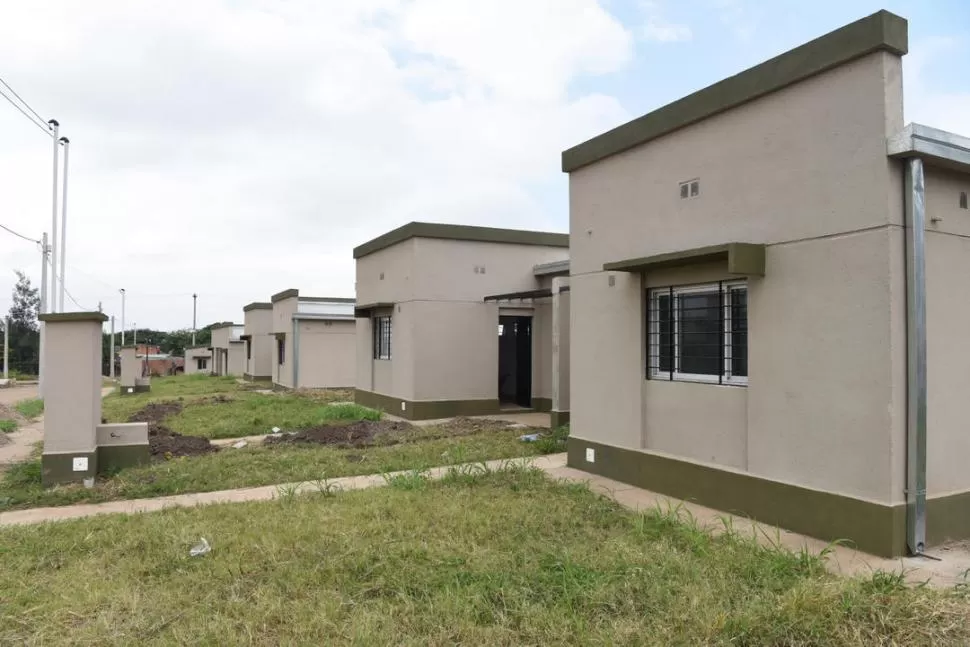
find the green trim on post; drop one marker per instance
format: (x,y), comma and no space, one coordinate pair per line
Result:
(948,518)
(872,527)
(285,294)
(742,258)
(464,233)
(59,468)
(257,305)
(558,419)
(112,458)
(426,409)
(542,404)
(882,31)
(132,390)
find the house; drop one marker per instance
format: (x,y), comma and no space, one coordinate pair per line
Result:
(461,320)
(315,346)
(228,349)
(198,360)
(767,315)
(260,342)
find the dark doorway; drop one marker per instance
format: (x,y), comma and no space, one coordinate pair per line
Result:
(515,361)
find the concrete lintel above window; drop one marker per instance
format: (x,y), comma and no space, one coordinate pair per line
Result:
(743,259)
(367,309)
(937,147)
(527,294)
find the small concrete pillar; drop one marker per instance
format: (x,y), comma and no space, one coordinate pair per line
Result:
(72,395)
(131,380)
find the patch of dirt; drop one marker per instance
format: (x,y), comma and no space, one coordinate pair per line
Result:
(164,443)
(467,426)
(219,399)
(9,413)
(363,433)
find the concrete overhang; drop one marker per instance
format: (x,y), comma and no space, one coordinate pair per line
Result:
(551,269)
(258,305)
(882,31)
(936,147)
(366,309)
(526,294)
(285,294)
(312,317)
(461,232)
(245,337)
(73,316)
(742,258)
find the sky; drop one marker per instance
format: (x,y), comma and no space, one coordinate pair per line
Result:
(238,148)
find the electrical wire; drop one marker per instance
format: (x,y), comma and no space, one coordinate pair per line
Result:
(45,129)
(29,240)
(21,99)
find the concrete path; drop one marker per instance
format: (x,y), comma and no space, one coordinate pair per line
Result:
(265,493)
(13,394)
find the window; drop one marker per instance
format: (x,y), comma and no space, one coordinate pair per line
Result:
(382,337)
(201,363)
(963,199)
(249,349)
(690,189)
(698,333)
(280,351)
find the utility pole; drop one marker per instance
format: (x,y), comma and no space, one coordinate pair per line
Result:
(122,290)
(43,308)
(6,348)
(111,355)
(60,300)
(134,332)
(195,298)
(53,295)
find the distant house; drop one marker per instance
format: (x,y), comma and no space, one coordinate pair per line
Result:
(228,349)
(315,341)
(259,339)
(198,360)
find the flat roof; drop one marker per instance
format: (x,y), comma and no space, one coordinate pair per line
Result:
(462,232)
(937,147)
(285,294)
(550,269)
(53,317)
(882,31)
(525,294)
(258,305)
(223,324)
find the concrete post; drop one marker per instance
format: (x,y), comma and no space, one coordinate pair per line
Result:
(560,352)
(72,399)
(131,373)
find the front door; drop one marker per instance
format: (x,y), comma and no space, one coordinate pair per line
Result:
(515,360)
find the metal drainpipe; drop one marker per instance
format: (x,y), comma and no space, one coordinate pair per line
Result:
(915,357)
(296,353)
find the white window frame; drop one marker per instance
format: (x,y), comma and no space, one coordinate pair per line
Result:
(653,361)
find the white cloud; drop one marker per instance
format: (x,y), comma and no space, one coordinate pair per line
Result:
(925,101)
(738,17)
(238,148)
(659,30)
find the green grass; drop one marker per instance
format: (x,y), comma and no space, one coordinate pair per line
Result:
(30,409)
(7,425)
(506,558)
(20,486)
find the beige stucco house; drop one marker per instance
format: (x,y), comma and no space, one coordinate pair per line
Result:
(314,341)
(460,320)
(769,314)
(198,360)
(228,349)
(260,341)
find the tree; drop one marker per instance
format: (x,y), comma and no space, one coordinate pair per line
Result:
(24,329)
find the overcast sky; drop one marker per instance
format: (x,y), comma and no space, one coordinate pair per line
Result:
(237,148)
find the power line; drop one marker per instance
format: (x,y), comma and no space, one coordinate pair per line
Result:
(30,240)
(21,99)
(24,113)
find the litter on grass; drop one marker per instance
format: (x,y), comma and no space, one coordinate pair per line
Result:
(530,438)
(200,548)
(239,444)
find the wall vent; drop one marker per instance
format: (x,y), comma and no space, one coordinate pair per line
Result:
(690,189)
(963,199)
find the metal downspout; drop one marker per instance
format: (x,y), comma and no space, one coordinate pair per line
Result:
(915,357)
(296,353)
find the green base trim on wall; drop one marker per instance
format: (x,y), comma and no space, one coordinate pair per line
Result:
(257,378)
(426,409)
(947,518)
(59,468)
(872,527)
(131,390)
(116,457)
(558,419)
(542,404)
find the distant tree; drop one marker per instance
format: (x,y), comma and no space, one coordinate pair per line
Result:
(24,330)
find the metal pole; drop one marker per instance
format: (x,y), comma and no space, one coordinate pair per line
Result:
(915,357)
(134,333)
(111,355)
(195,298)
(43,308)
(6,348)
(53,295)
(122,290)
(60,299)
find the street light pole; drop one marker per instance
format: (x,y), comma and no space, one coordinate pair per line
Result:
(53,294)
(194,300)
(60,300)
(122,290)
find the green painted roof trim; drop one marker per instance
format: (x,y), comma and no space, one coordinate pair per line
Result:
(746,259)
(285,294)
(882,31)
(258,305)
(223,324)
(462,232)
(52,317)
(328,299)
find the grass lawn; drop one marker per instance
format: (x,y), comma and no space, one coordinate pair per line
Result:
(30,409)
(507,558)
(7,425)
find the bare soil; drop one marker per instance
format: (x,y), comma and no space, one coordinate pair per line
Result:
(164,443)
(363,433)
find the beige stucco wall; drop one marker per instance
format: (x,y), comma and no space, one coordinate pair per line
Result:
(237,359)
(327,354)
(190,356)
(258,324)
(805,171)
(283,311)
(396,376)
(131,366)
(396,264)
(72,400)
